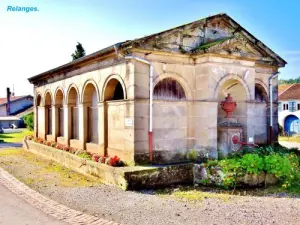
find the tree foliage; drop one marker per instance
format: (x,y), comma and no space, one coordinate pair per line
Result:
(28,120)
(290,81)
(79,52)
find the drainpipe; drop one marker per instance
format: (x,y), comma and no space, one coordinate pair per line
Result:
(150,100)
(274,75)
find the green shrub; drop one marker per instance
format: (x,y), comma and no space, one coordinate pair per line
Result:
(252,163)
(275,160)
(28,120)
(193,155)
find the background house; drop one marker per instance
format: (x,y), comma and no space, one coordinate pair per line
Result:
(289,108)
(13,108)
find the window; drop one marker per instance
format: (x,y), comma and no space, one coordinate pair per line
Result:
(280,106)
(285,106)
(292,106)
(298,106)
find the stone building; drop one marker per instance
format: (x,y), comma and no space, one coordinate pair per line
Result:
(158,96)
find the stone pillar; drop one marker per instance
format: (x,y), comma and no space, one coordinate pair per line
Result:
(82,122)
(101,129)
(54,122)
(41,122)
(35,124)
(67,123)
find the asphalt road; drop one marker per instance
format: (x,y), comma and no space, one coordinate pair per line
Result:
(15,211)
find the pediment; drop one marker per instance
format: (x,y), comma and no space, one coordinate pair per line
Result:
(217,34)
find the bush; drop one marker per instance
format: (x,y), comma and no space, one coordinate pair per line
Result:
(28,120)
(276,160)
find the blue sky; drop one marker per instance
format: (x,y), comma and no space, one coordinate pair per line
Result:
(35,42)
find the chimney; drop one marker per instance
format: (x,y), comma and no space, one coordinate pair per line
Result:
(8,93)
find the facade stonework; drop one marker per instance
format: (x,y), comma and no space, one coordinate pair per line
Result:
(101,102)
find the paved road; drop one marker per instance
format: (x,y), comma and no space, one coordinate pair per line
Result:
(15,211)
(11,145)
(290,144)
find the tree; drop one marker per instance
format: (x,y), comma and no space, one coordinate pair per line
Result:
(28,120)
(79,52)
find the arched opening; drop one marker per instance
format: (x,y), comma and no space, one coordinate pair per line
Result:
(168,89)
(292,125)
(238,94)
(48,113)
(113,115)
(173,115)
(113,90)
(73,101)
(91,120)
(260,93)
(59,98)
(38,104)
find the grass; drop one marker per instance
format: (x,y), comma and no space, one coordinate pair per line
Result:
(295,138)
(37,171)
(189,193)
(15,137)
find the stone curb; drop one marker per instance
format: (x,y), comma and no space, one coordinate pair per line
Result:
(47,205)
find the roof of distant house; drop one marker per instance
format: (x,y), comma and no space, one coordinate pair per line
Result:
(289,91)
(3,101)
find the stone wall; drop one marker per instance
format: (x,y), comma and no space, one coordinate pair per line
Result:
(136,177)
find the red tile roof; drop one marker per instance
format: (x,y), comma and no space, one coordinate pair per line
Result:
(291,92)
(283,87)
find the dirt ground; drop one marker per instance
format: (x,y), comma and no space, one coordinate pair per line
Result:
(176,205)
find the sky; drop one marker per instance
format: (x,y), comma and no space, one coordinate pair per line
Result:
(34,42)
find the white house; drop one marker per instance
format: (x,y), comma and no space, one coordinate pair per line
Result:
(289,108)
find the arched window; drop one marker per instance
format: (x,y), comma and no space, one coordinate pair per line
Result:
(168,89)
(90,99)
(73,100)
(260,93)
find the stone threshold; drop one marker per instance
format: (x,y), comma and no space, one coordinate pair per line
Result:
(126,178)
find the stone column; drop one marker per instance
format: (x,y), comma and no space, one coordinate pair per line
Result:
(35,124)
(54,122)
(41,122)
(82,122)
(101,127)
(67,123)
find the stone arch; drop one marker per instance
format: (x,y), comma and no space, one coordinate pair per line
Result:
(57,94)
(59,99)
(72,100)
(228,78)
(181,80)
(48,98)
(39,99)
(110,81)
(90,82)
(260,91)
(71,86)
(90,99)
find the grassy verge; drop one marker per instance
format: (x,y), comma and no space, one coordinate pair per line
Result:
(290,139)
(199,193)
(15,137)
(36,171)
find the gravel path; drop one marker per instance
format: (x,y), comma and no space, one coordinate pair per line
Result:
(136,208)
